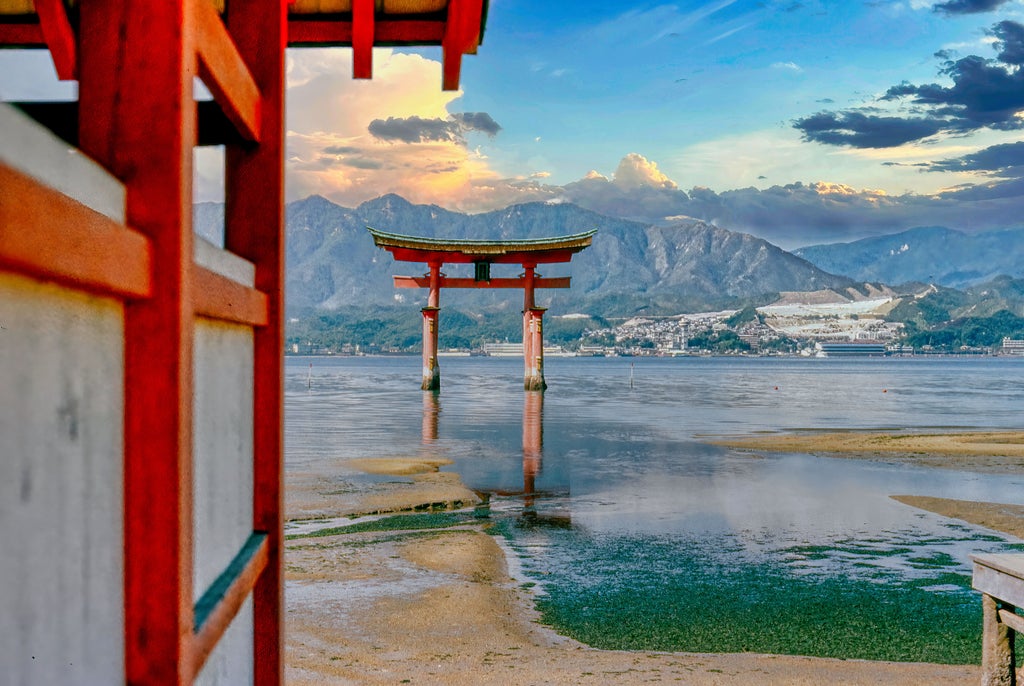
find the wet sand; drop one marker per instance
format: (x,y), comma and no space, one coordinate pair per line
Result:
(439,607)
(999,452)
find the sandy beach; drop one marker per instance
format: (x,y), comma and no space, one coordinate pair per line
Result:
(439,606)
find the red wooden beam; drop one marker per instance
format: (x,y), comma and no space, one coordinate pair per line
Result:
(362,39)
(19,35)
(136,65)
(225,73)
(461,36)
(46,234)
(446,282)
(60,38)
(533,257)
(219,297)
(254,229)
(312,32)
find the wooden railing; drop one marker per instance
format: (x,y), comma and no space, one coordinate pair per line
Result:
(1000,578)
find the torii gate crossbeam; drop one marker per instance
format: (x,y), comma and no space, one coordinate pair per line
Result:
(528,253)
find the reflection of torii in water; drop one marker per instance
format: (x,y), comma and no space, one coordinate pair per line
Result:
(533,442)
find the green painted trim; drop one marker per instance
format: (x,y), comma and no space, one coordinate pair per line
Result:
(219,588)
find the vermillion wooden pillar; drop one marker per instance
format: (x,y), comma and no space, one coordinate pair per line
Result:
(136,75)
(533,340)
(431,370)
(254,229)
(535,363)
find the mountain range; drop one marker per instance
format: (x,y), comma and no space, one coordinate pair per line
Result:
(930,254)
(631,267)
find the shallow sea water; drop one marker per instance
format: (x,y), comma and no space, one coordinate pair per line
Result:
(636,534)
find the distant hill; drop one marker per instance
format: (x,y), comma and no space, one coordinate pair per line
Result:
(631,267)
(927,254)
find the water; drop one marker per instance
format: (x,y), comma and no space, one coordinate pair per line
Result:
(636,534)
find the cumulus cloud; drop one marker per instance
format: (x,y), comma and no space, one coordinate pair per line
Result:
(790,215)
(985,94)
(354,140)
(968,6)
(636,171)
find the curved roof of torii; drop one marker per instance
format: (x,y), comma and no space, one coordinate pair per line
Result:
(461,250)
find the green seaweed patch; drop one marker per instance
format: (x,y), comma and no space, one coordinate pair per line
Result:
(401,522)
(934,560)
(759,610)
(655,593)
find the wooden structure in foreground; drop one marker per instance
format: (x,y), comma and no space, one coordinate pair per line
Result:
(435,252)
(1000,578)
(141,403)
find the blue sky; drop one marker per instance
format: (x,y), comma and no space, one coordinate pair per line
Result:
(800,121)
(695,86)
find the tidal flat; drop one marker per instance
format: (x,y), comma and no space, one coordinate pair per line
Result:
(608,519)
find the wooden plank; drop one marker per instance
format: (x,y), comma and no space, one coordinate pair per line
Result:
(1012,620)
(48,235)
(225,73)
(218,297)
(136,66)
(1000,577)
(254,229)
(22,35)
(362,39)
(220,603)
(396,32)
(446,282)
(59,36)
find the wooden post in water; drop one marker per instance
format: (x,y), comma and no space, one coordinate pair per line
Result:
(1000,578)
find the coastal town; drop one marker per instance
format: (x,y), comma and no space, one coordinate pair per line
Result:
(802,329)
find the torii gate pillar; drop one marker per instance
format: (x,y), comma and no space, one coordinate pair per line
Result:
(431,371)
(533,335)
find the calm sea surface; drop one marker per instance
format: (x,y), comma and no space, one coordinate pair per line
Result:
(636,534)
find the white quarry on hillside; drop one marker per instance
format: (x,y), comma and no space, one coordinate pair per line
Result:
(858,320)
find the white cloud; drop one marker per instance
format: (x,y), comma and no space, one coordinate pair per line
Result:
(635,171)
(331,153)
(790,66)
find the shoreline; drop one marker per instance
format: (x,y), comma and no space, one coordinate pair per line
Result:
(441,607)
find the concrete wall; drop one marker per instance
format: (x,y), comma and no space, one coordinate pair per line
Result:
(61,453)
(61,449)
(61,597)
(222,468)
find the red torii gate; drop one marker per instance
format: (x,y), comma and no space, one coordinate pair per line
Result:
(482,253)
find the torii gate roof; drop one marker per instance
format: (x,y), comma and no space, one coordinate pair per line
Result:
(463,250)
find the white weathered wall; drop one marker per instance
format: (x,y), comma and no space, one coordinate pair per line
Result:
(222,469)
(35,151)
(61,390)
(61,449)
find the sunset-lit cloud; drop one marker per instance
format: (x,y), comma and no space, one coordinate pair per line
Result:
(355,140)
